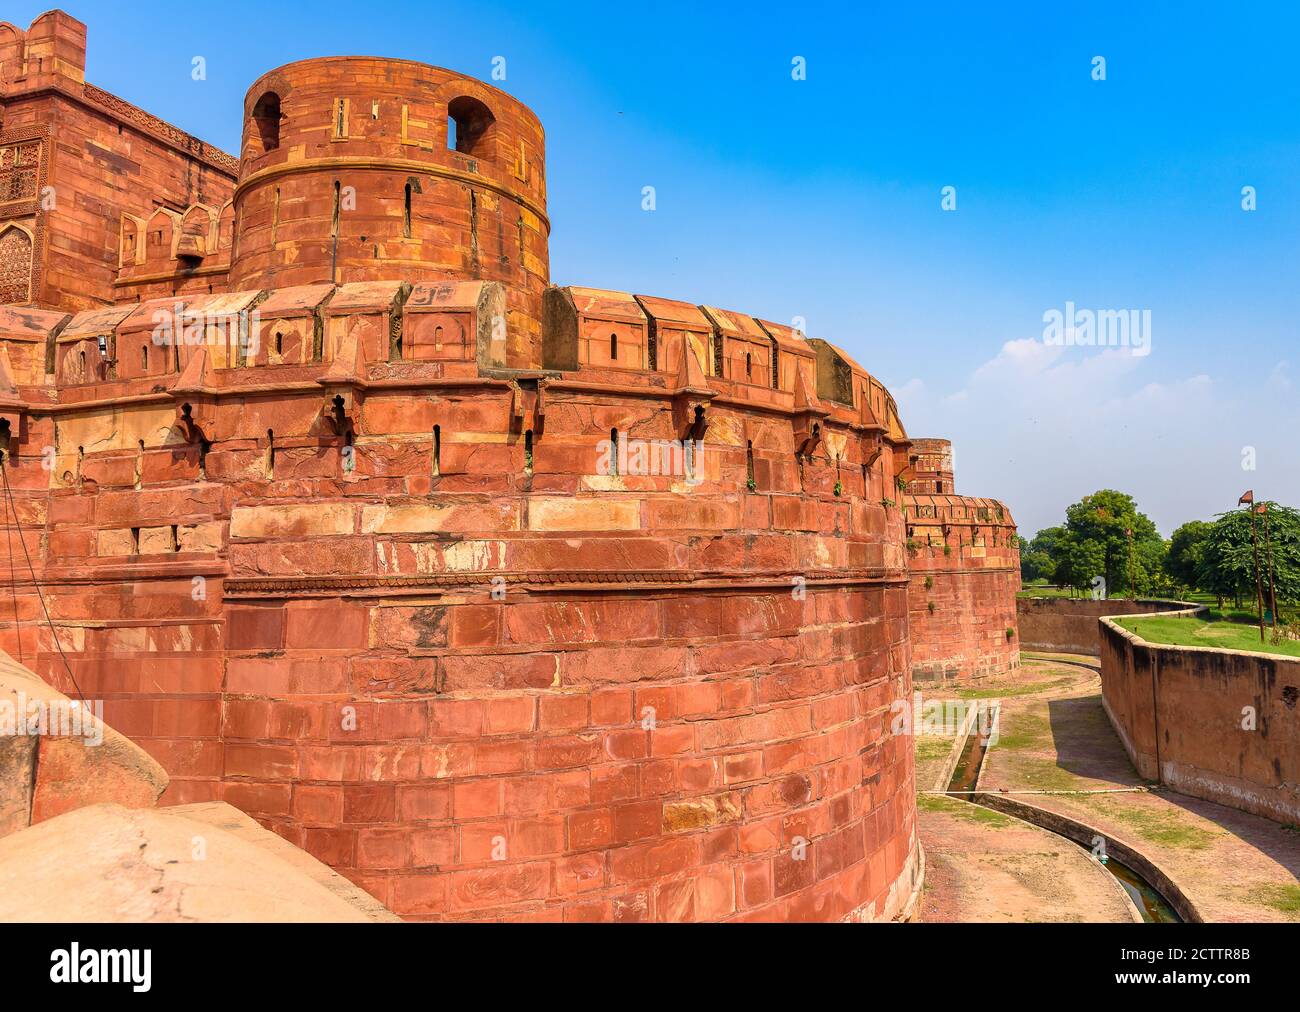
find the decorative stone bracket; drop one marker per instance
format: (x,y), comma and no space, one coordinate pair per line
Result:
(809,417)
(190,426)
(528,404)
(692,398)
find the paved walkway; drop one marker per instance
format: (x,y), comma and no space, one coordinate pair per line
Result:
(1233,866)
(982,866)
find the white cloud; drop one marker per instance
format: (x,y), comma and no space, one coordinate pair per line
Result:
(1039,426)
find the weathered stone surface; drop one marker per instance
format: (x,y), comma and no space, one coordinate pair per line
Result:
(506,602)
(109,864)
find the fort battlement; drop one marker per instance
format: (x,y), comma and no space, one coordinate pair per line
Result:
(506,600)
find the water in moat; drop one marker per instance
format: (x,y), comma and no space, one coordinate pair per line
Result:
(967,772)
(1153,907)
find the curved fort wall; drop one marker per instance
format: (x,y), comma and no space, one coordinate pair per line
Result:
(396,611)
(964,559)
(507,601)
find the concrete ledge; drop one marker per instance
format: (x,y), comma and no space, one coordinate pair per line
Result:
(77,760)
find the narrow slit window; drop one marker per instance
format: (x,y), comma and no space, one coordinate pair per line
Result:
(749,366)
(613,347)
(270,453)
(349,454)
(437,451)
(614,451)
(406,214)
(749,464)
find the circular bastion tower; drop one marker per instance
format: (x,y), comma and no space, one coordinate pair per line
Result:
(508,601)
(356,169)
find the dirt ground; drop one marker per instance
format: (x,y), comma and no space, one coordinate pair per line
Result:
(1233,866)
(982,866)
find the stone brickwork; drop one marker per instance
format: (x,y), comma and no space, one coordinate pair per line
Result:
(507,601)
(964,559)
(1072,625)
(103,190)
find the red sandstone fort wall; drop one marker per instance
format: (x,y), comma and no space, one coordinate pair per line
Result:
(1071,625)
(336,540)
(100,191)
(676,708)
(344,149)
(964,559)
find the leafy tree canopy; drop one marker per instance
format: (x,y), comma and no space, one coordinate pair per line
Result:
(1097,537)
(1227,563)
(1186,549)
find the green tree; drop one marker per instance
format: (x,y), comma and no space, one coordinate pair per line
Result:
(1038,558)
(1104,520)
(1079,563)
(1186,549)
(1036,566)
(1227,567)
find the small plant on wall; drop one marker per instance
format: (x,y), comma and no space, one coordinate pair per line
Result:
(932,607)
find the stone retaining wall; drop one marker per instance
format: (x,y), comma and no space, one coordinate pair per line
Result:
(1069,625)
(1223,725)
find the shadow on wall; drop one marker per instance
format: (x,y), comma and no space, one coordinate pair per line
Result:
(1222,725)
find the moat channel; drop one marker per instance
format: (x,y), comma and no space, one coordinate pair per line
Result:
(1153,907)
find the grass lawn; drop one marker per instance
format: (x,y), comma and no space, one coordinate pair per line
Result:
(1042,590)
(1195,632)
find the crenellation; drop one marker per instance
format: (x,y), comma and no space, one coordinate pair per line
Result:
(325,436)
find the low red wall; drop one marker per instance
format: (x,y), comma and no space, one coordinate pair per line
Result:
(1067,625)
(1222,725)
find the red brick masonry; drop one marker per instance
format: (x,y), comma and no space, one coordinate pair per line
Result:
(507,601)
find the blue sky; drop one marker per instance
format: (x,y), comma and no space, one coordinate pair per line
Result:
(821,198)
